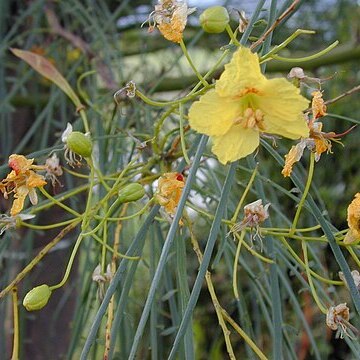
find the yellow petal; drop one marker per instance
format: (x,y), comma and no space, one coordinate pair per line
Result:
(242,73)
(282,106)
(35,180)
(19,198)
(235,144)
(213,115)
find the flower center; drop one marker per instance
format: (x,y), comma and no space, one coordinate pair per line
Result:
(251,119)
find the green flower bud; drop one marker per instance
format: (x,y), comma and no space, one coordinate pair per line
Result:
(214,19)
(79,143)
(131,192)
(37,298)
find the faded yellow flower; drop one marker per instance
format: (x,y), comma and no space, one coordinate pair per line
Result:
(336,316)
(245,104)
(170,187)
(22,181)
(170,17)
(318,141)
(353,219)
(318,106)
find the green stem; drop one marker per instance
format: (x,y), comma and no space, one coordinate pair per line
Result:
(310,57)
(236,261)
(312,287)
(182,137)
(57,202)
(306,190)
(183,48)
(232,35)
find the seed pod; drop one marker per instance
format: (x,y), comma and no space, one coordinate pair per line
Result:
(37,298)
(79,143)
(214,19)
(131,192)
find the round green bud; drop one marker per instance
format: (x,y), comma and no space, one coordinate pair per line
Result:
(131,192)
(79,143)
(37,298)
(214,19)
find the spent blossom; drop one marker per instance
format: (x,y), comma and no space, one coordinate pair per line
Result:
(169,191)
(22,182)
(353,220)
(318,141)
(170,17)
(255,214)
(337,317)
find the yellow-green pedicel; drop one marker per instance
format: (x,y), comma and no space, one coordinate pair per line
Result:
(245,104)
(37,298)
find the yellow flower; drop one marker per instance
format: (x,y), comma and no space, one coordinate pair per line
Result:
(22,181)
(245,104)
(353,219)
(170,187)
(170,16)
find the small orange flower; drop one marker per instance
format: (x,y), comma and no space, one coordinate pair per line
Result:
(170,16)
(353,219)
(22,181)
(318,106)
(170,187)
(318,141)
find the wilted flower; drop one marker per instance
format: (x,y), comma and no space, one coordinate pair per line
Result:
(254,214)
(318,141)
(318,106)
(169,190)
(244,105)
(170,17)
(22,181)
(356,277)
(53,169)
(102,278)
(243,21)
(339,316)
(9,222)
(353,219)
(129,90)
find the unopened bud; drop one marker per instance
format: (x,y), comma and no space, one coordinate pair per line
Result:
(79,143)
(214,19)
(37,298)
(131,192)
